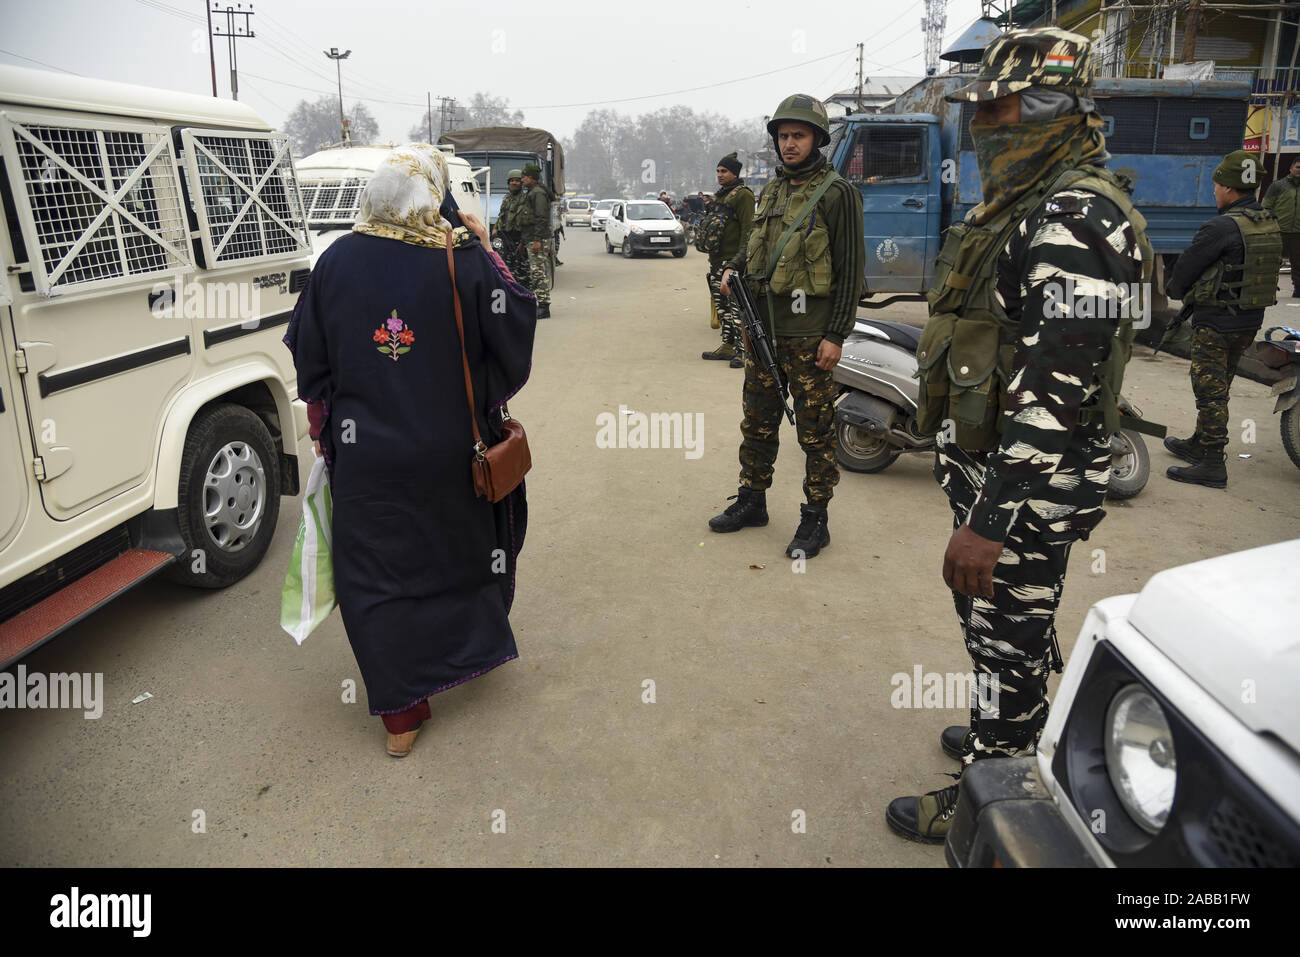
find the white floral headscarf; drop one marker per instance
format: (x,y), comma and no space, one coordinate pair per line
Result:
(402,198)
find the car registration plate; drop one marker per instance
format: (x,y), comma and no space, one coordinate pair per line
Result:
(660,239)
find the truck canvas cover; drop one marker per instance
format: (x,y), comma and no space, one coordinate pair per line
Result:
(525,139)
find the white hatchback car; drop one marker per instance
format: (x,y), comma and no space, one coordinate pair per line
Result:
(647,226)
(600,212)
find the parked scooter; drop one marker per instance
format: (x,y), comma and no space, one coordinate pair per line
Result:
(875,414)
(1282,353)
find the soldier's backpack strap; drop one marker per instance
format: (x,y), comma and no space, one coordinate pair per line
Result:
(793,228)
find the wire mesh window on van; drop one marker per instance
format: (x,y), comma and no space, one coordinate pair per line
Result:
(887,152)
(335,202)
(249,196)
(105,203)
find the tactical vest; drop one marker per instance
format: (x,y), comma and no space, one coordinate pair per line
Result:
(713,224)
(805,261)
(965,356)
(1255,285)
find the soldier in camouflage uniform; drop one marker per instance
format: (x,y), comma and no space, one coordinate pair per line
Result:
(1229,276)
(1039,281)
(512,244)
(733,207)
(533,217)
(808,292)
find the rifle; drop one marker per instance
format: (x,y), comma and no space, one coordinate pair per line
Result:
(1171,330)
(756,333)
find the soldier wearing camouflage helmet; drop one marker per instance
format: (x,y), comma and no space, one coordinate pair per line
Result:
(1021,361)
(533,216)
(511,242)
(807,255)
(1227,276)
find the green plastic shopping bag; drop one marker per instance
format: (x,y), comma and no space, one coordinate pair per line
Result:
(308,594)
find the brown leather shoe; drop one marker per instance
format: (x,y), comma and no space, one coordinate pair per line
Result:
(399,745)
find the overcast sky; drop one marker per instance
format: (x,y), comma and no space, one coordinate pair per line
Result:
(552,60)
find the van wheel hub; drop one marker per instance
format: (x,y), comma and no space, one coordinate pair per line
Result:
(234,496)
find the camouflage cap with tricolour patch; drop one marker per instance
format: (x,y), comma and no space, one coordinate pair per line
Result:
(1046,57)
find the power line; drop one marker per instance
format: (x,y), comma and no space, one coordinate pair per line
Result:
(38,62)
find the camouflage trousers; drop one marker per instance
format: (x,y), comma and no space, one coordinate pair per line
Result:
(813,394)
(728,310)
(539,276)
(515,258)
(1214,363)
(1011,639)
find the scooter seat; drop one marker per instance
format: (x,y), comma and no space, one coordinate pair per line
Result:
(900,334)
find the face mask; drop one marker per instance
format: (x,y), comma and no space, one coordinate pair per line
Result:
(1014,156)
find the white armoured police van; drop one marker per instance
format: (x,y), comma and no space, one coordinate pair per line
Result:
(332,181)
(153,245)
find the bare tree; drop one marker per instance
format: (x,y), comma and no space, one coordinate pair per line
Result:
(312,125)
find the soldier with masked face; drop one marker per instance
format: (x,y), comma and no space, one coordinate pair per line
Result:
(1021,361)
(512,251)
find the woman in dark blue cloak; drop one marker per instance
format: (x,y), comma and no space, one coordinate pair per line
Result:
(424,570)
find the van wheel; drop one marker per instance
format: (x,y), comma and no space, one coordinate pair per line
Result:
(627,247)
(609,247)
(679,253)
(228,499)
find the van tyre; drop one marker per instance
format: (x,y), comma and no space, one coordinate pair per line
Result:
(228,498)
(679,253)
(609,247)
(627,247)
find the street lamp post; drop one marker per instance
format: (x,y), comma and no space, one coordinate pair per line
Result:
(334,54)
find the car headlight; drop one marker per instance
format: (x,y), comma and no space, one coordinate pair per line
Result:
(1140,756)
(634,229)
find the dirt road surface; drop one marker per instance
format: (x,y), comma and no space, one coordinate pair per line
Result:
(771,686)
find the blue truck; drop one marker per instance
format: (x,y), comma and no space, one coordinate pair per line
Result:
(915,166)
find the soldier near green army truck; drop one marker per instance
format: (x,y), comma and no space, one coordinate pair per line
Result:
(1228,276)
(512,251)
(723,231)
(533,218)
(807,251)
(1283,200)
(1021,361)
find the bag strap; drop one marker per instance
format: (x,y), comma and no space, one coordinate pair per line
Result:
(479,447)
(808,207)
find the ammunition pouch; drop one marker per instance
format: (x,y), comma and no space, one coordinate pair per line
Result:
(967,350)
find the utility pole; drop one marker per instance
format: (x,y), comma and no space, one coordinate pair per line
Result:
(212,54)
(1190,29)
(233,32)
(338,58)
(859,77)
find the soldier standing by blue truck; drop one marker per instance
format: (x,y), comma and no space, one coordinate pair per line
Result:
(1226,278)
(1019,381)
(1283,200)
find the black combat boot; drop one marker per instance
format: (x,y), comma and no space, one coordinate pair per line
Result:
(750,508)
(1211,471)
(953,740)
(812,534)
(1189,449)
(544,311)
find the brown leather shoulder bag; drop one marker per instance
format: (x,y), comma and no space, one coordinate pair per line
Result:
(497,469)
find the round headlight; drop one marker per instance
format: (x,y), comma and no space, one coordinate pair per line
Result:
(1140,757)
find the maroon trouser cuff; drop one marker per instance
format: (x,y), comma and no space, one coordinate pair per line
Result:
(403,721)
